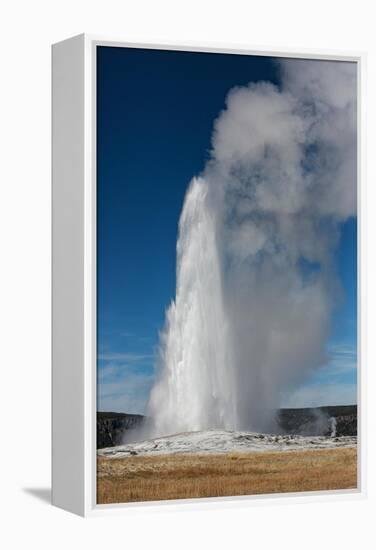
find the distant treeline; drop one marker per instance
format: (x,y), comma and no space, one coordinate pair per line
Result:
(331,410)
(336,420)
(111,426)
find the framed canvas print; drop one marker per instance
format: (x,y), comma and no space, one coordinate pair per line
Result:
(206,281)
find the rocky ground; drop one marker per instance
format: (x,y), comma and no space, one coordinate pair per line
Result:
(221,441)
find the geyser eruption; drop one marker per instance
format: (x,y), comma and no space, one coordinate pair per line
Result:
(256,282)
(196,388)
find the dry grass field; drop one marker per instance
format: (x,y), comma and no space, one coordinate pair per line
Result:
(180,476)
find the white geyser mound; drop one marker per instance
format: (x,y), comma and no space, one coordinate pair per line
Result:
(255,277)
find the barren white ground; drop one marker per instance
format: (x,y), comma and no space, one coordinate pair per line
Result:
(220,441)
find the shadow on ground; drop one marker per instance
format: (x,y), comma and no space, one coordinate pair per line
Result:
(41,493)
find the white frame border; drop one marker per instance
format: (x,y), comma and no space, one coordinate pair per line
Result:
(91,508)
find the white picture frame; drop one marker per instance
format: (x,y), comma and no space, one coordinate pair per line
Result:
(74,277)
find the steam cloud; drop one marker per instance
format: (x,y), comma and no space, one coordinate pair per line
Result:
(256,284)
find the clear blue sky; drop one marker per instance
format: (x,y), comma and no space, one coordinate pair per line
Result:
(155,112)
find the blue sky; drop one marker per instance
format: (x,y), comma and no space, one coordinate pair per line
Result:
(155,112)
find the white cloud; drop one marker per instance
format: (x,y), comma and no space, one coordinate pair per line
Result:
(342,359)
(321,395)
(125,393)
(246,322)
(129,357)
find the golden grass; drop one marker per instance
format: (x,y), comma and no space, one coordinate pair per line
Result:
(180,476)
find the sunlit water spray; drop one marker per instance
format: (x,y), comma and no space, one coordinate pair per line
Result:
(255,278)
(196,383)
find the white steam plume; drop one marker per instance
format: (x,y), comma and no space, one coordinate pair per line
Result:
(256,282)
(333,426)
